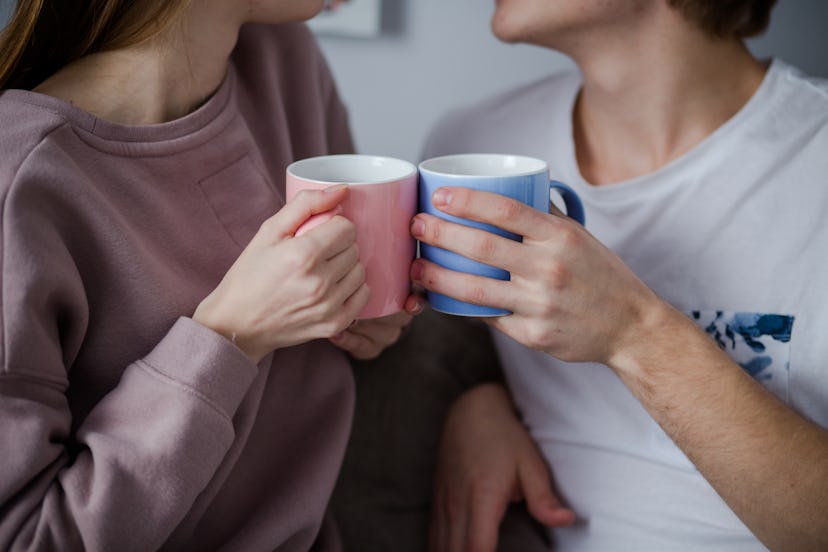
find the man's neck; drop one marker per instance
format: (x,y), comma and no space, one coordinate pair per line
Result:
(648,101)
(156,81)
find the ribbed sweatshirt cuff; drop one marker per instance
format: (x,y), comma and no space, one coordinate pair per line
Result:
(206,362)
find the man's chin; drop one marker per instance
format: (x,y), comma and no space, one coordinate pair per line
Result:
(505,33)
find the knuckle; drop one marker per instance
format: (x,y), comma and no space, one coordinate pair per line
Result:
(545,298)
(305,195)
(269,227)
(349,231)
(272,229)
(461,199)
(484,247)
(317,288)
(569,236)
(507,210)
(538,336)
(334,326)
(477,295)
(547,307)
(304,259)
(360,275)
(556,275)
(341,318)
(433,231)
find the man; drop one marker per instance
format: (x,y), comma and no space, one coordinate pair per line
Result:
(669,360)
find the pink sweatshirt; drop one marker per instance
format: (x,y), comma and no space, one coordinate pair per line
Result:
(125,425)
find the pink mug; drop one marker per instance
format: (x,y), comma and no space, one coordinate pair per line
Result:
(381,201)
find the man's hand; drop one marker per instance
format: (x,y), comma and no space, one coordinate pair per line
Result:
(570,296)
(487,459)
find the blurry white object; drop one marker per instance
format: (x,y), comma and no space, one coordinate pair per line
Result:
(357,18)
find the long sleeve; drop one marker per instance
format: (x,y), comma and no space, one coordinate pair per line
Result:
(124,425)
(129,472)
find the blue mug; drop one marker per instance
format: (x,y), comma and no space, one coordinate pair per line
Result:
(522,178)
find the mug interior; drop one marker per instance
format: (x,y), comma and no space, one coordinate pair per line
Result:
(351,169)
(483,165)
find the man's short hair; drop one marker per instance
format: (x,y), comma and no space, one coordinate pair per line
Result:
(727,18)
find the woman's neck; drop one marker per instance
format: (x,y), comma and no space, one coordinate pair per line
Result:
(156,81)
(650,100)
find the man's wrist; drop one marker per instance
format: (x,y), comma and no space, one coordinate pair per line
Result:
(660,334)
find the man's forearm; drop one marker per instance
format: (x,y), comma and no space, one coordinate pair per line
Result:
(772,469)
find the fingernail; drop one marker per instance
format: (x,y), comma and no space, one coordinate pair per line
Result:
(417,271)
(417,228)
(416,308)
(441,197)
(338,337)
(335,188)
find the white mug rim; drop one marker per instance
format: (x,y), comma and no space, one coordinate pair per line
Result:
(435,165)
(398,169)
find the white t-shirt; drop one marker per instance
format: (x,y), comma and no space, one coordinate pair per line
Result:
(735,234)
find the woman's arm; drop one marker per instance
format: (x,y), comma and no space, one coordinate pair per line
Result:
(133,468)
(125,475)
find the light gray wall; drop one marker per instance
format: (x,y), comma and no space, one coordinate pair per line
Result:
(5,11)
(439,54)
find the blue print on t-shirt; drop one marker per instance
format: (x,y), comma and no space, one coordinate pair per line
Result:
(759,343)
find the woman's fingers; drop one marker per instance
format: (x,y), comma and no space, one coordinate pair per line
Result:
(349,285)
(343,262)
(357,301)
(332,237)
(302,207)
(366,339)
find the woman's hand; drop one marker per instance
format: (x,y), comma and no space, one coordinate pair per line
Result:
(486,460)
(366,339)
(570,296)
(285,290)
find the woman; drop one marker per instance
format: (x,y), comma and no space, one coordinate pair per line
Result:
(163,381)
(668,360)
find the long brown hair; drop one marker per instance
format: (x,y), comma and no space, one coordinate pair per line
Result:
(45,35)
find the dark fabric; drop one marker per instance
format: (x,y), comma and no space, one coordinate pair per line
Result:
(383,495)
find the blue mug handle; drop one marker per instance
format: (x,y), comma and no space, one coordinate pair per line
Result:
(574,207)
